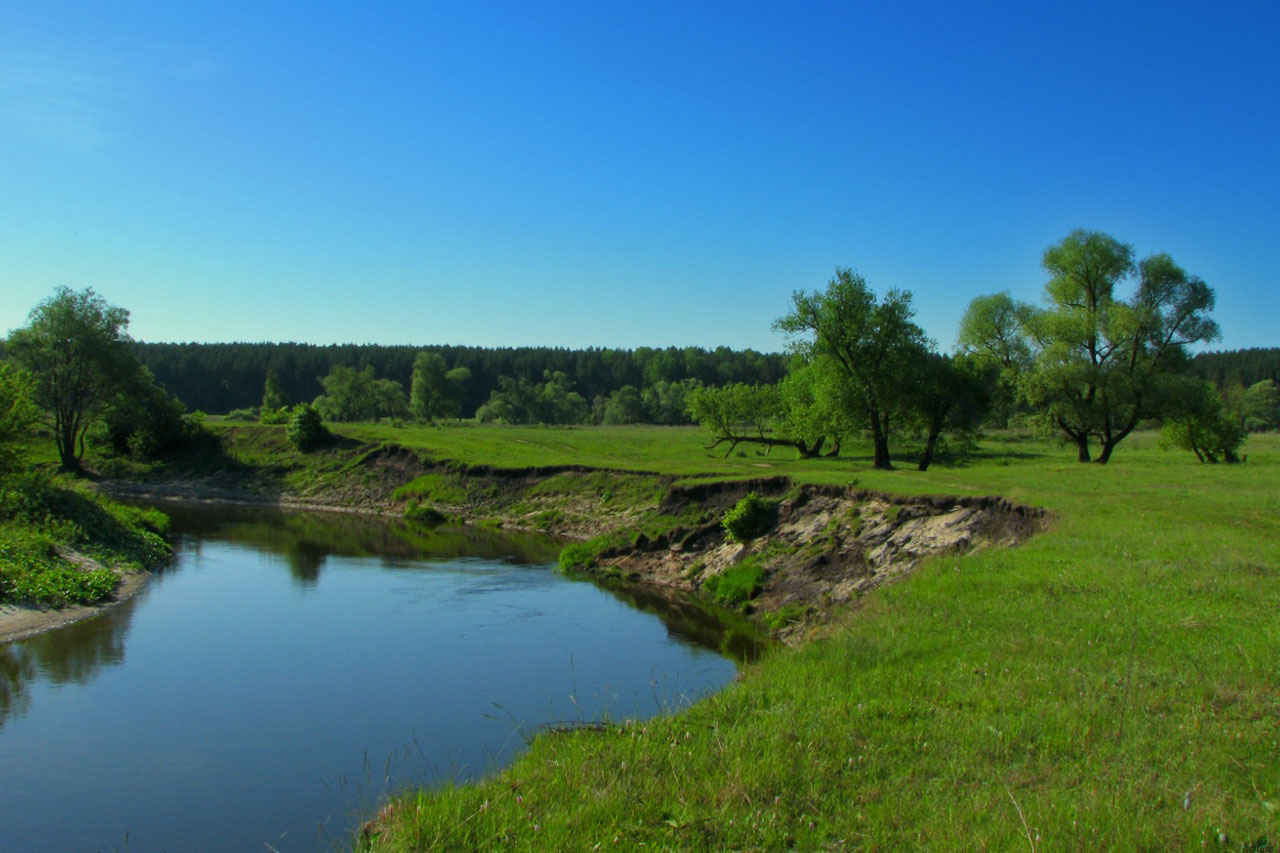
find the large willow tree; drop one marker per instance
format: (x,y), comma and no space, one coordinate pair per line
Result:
(1103,362)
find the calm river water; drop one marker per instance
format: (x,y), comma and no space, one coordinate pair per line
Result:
(290,668)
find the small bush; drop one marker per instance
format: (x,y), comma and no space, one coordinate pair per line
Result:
(424,514)
(273,416)
(306,429)
(242,414)
(750,517)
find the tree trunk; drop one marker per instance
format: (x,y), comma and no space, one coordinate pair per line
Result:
(1082,448)
(807,452)
(835,449)
(930,443)
(880,441)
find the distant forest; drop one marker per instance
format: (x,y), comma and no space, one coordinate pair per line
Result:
(1238,367)
(218,378)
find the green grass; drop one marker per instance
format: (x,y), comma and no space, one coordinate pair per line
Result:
(42,519)
(1112,684)
(736,584)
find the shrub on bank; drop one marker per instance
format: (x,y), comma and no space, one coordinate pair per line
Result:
(750,517)
(306,428)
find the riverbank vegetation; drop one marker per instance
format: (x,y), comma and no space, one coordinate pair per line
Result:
(62,543)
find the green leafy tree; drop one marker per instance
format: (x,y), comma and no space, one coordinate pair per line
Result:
(143,419)
(1204,427)
(1257,407)
(306,430)
(435,392)
(815,406)
(873,345)
(273,396)
(995,332)
(739,413)
(624,406)
(391,400)
(18,414)
(665,402)
(427,386)
(953,394)
(358,395)
(1106,363)
(76,347)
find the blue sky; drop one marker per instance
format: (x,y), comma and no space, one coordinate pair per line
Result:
(599,174)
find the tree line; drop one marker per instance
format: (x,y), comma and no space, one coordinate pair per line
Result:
(220,378)
(1103,354)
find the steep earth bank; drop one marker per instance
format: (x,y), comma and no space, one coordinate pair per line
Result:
(828,546)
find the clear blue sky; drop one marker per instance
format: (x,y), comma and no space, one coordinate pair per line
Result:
(620,174)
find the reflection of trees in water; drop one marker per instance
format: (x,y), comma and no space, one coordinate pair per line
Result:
(305,561)
(71,655)
(306,539)
(16,670)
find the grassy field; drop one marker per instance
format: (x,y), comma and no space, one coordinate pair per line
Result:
(1112,684)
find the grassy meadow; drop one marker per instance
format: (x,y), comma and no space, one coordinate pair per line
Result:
(1112,684)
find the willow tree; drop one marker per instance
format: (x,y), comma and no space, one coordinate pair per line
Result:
(1105,363)
(873,346)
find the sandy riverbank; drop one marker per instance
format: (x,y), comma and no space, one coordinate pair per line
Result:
(17,623)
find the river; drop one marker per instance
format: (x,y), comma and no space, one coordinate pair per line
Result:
(290,668)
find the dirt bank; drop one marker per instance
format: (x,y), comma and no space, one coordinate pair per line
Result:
(828,547)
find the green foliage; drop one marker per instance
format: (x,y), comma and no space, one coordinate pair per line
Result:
(42,518)
(1105,363)
(519,401)
(144,420)
(436,392)
(1256,408)
(306,429)
(786,615)
(76,348)
(995,333)
(242,415)
(736,584)
(874,347)
(222,377)
(273,397)
(952,397)
(424,514)
(18,413)
(358,395)
(624,406)
(737,413)
(273,416)
(580,556)
(752,516)
(1204,427)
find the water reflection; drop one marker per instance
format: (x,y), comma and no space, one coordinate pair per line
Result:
(695,623)
(71,655)
(307,539)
